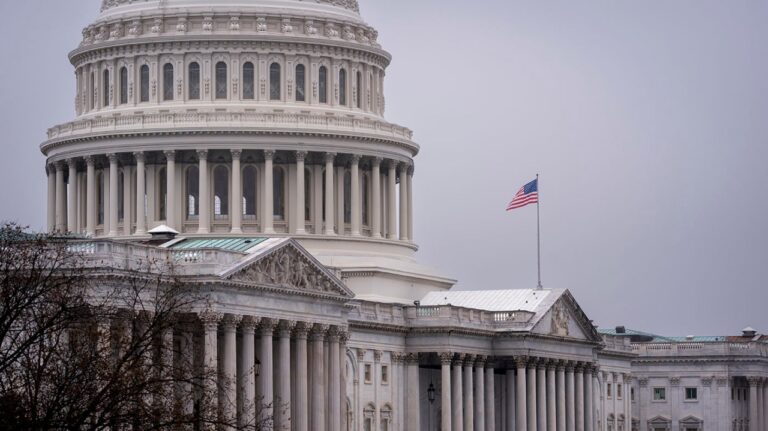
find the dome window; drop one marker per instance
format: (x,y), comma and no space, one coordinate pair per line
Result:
(221,80)
(168,81)
(274,82)
(249,81)
(301,83)
(105,88)
(343,87)
(123,85)
(323,84)
(194,81)
(144,83)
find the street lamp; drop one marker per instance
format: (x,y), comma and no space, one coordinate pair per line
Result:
(431,393)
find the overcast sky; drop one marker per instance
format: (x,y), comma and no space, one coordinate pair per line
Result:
(648,122)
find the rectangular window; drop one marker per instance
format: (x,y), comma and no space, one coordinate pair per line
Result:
(367,373)
(384,374)
(609,390)
(632,394)
(659,394)
(691,394)
(618,391)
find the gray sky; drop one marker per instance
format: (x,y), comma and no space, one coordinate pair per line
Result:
(647,121)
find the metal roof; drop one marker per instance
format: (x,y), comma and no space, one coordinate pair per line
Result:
(489,300)
(665,339)
(241,245)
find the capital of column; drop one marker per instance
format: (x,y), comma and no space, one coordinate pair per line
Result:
(446,358)
(230,321)
(403,167)
(356,159)
(578,368)
(267,326)
(334,334)
(170,155)
(343,335)
(458,359)
(753,380)
(570,366)
(377,162)
(249,323)
(391,164)
(90,160)
(490,363)
(140,156)
(269,154)
(112,157)
(236,154)
(301,156)
(626,377)
(480,361)
(411,358)
(595,369)
(469,360)
(285,328)
(521,361)
(377,356)
(318,332)
(330,157)
(202,154)
(301,330)
(210,320)
(542,363)
(411,170)
(397,357)
(72,163)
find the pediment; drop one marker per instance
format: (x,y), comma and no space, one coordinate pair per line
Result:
(566,319)
(286,265)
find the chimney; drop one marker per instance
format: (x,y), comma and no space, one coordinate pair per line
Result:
(621,330)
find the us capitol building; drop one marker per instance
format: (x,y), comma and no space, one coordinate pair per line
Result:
(251,135)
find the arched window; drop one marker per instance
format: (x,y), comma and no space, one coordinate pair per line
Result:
(123,85)
(371,96)
(162,193)
(323,201)
(359,95)
(100,197)
(366,200)
(307,195)
(343,87)
(249,193)
(94,100)
(168,81)
(105,88)
(220,192)
(193,193)
(323,84)
(274,81)
(221,80)
(120,196)
(386,418)
(347,197)
(369,413)
(249,81)
(194,81)
(301,83)
(144,83)
(278,196)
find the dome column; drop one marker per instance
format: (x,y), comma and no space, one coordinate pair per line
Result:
(356,196)
(403,202)
(90,196)
(141,187)
(410,203)
(113,194)
(51,172)
(269,210)
(376,196)
(391,202)
(237,193)
(61,193)
(329,158)
(204,219)
(170,187)
(300,194)
(72,196)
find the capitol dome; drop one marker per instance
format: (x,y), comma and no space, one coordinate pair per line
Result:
(239,118)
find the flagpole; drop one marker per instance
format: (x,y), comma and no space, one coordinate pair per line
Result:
(538,228)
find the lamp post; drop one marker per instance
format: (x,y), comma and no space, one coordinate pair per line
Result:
(431,397)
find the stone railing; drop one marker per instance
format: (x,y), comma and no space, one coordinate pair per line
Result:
(137,257)
(692,348)
(237,121)
(440,316)
(617,343)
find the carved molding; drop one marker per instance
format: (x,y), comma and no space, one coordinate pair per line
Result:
(560,318)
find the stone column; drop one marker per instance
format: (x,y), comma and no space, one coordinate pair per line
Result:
(50,170)
(237,193)
(479,394)
(457,395)
(229,370)
(753,406)
(765,404)
(541,395)
(403,202)
(334,403)
(301,410)
(445,392)
(570,401)
(90,196)
(589,402)
(561,397)
(329,200)
(61,196)
(266,376)
(521,412)
(391,202)
(376,198)
(204,219)
(141,190)
(356,195)
(283,398)
(211,384)
(413,401)
(579,388)
(551,397)
(248,378)
(127,213)
(268,217)
(627,401)
(531,397)
(301,225)
(490,397)
(319,391)
(72,196)
(170,186)
(410,203)
(112,194)
(468,393)
(511,401)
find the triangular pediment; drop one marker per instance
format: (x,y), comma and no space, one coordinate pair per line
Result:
(286,265)
(566,319)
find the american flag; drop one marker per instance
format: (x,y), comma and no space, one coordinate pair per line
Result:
(528,194)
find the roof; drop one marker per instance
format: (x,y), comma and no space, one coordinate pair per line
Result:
(662,338)
(490,300)
(241,245)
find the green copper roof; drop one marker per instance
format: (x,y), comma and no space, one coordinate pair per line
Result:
(662,338)
(241,245)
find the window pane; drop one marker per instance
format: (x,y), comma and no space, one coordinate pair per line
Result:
(161,195)
(168,82)
(274,82)
(359,101)
(301,83)
(249,81)
(347,197)
(323,85)
(144,78)
(194,81)
(307,195)
(123,86)
(221,80)
(221,191)
(120,197)
(343,87)
(105,88)
(366,199)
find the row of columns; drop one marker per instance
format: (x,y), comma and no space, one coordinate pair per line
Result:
(541,394)
(63,198)
(758,403)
